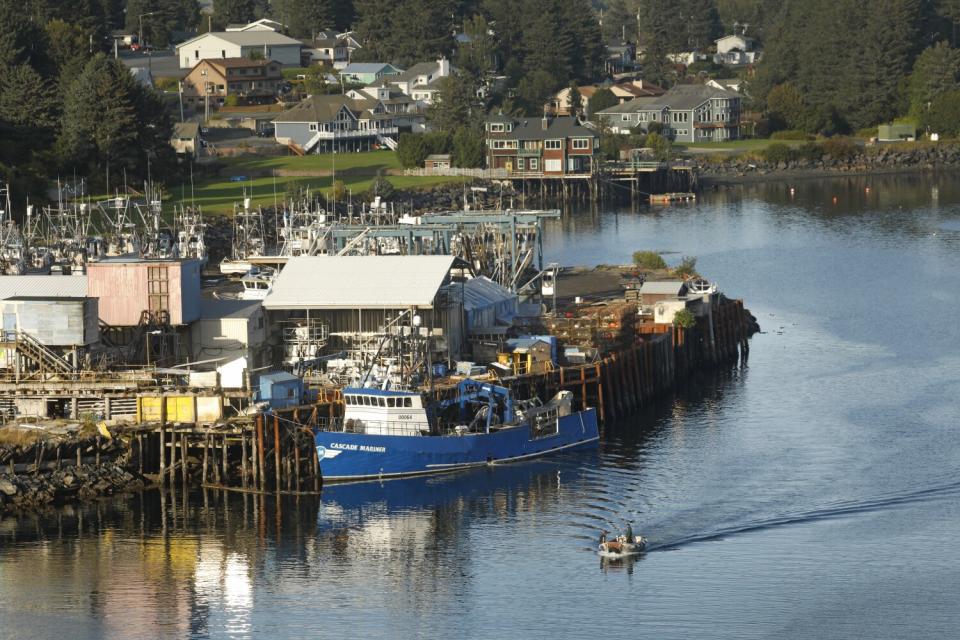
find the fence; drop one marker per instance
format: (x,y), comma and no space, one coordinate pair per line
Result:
(458,171)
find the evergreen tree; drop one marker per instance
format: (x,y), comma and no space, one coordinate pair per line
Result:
(602,99)
(469,148)
(619,22)
(657,39)
(477,56)
(304,18)
(237,11)
(374,28)
(456,105)
(936,70)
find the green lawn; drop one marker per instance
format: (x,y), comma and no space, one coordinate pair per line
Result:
(356,170)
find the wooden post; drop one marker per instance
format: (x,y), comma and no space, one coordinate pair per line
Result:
(243,460)
(206,455)
(599,391)
(140,452)
(163,455)
(183,460)
(276,452)
(296,456)
(173,456)
(254,460)
(261,453)
(223,461)
(163,439)
(98,451)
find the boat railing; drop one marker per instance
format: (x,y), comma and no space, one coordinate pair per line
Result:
(387,427)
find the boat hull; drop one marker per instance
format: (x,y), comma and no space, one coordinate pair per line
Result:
(357,456)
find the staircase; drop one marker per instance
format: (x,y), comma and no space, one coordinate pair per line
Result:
(312,142)
(296,149)
(387,141)
(32,349)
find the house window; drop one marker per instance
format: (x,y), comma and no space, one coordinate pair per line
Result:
(196,54)
(519,164)
(223,53)
(581,143)
(496,128)
(313,126)
(553,144)
(534,164)
(625,117)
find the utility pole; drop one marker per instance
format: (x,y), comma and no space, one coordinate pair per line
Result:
(206,96)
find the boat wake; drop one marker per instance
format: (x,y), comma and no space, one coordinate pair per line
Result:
(828,512)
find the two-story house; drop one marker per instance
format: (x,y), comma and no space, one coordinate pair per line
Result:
(541,147)
(336,123)
(409,115)
(251,81)
(422,81)
(255,43)
(328,48)
(686,113)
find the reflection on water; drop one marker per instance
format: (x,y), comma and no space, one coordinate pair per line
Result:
(812,493)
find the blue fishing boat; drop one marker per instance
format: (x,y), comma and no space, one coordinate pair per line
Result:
(391,434)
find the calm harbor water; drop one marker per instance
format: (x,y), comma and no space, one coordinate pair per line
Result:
(813,493)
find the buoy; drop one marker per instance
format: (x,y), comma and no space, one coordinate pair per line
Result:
(835,200)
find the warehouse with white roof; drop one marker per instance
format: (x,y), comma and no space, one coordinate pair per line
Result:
(353,299)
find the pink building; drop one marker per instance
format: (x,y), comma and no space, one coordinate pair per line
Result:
(126,287)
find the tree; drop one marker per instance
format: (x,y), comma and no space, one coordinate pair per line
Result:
(786,107)
(469,148)
(657,35)
(305,18)
(936,70)
(619,23)
(411,150)
(237,11)
(602,99)
(456,104)
(576,100)
(315,80)
(943,116)
(660,145)
(477,55)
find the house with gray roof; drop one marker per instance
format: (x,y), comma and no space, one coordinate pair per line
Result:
(336,123)
(266,44)
(687,113)
(367,72)
(422,81)
(541,147)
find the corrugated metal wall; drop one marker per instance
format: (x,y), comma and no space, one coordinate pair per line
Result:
(60,323)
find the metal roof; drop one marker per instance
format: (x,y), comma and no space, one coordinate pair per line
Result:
(664,287)
(358,282)
(43,287)
(253,38)
(366,67)
(482,292)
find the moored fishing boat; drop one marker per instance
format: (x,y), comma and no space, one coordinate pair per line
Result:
(389,434)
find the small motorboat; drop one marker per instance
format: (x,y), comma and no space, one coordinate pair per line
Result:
(625,545)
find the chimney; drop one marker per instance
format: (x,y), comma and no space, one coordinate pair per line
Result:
(545,123)
(444,67)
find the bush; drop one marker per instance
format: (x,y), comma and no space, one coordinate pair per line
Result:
(808,151)
(166,83)
(382,187)
(655,127)
(840,148)
(339,191)
(684,318)
(687,266)
(412,150)
(777,152)
(231,101)
(649,260)
(791,134)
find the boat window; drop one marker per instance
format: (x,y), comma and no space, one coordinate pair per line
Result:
(380,401)
(391,402)
(408,402)
(366,400)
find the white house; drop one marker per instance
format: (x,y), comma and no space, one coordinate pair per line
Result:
(735,50)
(240,44)
(422,81)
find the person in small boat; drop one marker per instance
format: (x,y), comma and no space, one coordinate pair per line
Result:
(629,533)
(603,537)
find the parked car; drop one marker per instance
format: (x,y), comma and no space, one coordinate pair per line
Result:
(266,132)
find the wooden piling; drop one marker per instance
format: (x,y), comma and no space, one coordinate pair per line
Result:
(296,457)
(206,457)
(261,453)
(276,451)
(223,459)
(183,460)
(243,460)
(163,454)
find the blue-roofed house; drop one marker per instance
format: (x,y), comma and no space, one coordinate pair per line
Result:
(367,72)
(281,389)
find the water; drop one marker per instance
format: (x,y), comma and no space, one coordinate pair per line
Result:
(813,493)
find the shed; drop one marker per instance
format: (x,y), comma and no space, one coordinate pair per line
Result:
(437,161)
(127,287)
(227,330)
(281,389)
(654,291)
(54,322)
(185,138)
(529,354)
(896,133)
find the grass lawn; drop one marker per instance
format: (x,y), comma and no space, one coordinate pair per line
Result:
(356,170)
(753,144)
